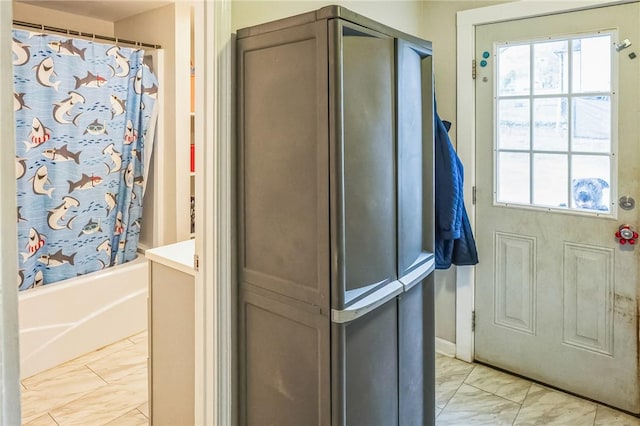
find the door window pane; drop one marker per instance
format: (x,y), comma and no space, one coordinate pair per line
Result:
(591,124)
(514,183)
(590,182)
(550,172)
(554,118)
(550,131)
(514,70)
(551,67)
(513,124)
(592,64)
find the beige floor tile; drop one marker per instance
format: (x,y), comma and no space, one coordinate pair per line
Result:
(121,363)
(144,409)
(450,374)
(103,352)
(106,404)
(50,378)
(472,406)
(44,420)
(57,388)
(606,416)
(502,384)
(544,406)
(68,367)
(132,418)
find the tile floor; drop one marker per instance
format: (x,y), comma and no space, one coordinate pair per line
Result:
(105,387)
(109,387)
(473,394)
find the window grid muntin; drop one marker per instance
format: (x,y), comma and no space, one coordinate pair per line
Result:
(569,95)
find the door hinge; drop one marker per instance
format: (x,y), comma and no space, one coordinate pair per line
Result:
(473,69)
(473,321)
(196,262)
(473,195)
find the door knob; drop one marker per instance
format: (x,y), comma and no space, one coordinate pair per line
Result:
(626,202)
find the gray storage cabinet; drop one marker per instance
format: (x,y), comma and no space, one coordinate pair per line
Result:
(335,226)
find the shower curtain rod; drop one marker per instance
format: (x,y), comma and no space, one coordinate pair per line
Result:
(81,34)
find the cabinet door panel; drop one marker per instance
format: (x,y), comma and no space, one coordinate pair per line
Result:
(284,363)
(416,349)
(365,369)
(363,171)
(283,162)
(172,337)
(415,160)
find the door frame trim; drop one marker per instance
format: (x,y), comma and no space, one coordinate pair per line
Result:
(467,20)
(9,354)
(214,402)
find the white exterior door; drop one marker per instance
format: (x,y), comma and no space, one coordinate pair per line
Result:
(557,145)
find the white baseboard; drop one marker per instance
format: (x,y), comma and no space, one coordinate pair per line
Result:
(445,347)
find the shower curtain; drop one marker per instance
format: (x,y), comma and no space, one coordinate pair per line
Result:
(85,113)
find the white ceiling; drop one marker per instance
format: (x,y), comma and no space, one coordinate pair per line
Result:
(112,11)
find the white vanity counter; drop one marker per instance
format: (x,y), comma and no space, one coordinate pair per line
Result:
(177,256)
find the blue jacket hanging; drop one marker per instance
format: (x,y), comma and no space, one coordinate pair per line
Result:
(454,238)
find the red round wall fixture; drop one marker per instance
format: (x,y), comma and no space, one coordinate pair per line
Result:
(626,235)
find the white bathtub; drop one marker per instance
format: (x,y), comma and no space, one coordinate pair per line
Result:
(60,322)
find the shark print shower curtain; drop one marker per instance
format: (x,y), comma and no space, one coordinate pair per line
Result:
(85,113)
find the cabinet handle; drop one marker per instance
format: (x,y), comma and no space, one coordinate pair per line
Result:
(368,304)
(419,273)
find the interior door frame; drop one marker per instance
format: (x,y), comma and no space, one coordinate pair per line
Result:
(214,314)
(9,355)
(467,20)
(214,281)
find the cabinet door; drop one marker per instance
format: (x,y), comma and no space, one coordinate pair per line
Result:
(365,369)
(363,189)
(416,355)
(415,234)
(172,337)
(283,163)
(284,362)
(415,163)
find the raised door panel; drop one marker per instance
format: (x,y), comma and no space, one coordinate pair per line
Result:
(588,297)
(515,281)
(283,162)
(362,86)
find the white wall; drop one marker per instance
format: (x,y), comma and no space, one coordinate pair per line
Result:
(170,27)
(439,26)
(54,18)
(403,15)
